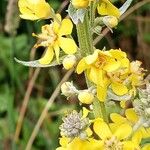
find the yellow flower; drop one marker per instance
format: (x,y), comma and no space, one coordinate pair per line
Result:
(80,3)
(127,78)
(114,139)
(34,9)
(99,67)
(130,118)
(105,7)
(135,139)
(52,37)
(96,64)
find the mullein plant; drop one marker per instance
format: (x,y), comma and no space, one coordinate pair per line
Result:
(110,76)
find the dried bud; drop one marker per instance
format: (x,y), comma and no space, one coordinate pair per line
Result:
(74,125)
(86,97)
(78,4)
(69,62)
(68,89)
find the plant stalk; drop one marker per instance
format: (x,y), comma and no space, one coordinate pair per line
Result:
(86,48)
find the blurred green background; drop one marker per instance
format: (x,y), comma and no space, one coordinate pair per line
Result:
(132,35)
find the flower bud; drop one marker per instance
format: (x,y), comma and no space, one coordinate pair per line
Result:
(85,97)
(74,125)
(110,21)
(68,89)
(78,4)
(69,62)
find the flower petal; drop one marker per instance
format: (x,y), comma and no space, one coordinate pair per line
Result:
(145,132)
(96,76)
(131,115)
(64,141)
(78,144)
(107,8)
(85,112)
(56,25)
(102,129)
(101,93)
(67,45)
(123,131)
(119,88)
(129,145)
(117,118)
(112,65)
(95,144)
(81,66)
(66,27)
(28,17)
(117,53)
(32,10)
(91,58)
(137,137)
(57,50)
(48,56)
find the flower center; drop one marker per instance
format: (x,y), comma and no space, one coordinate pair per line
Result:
(113,143)
(47,37)
(101,61)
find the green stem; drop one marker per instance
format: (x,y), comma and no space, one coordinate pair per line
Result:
(103,111)
(92,13)
(85,37)
(86,48)
(97,108)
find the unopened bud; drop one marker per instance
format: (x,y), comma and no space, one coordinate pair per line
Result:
(85,97)
(110,21)
(78,4)
(68,89)
(74,126)
(69,62)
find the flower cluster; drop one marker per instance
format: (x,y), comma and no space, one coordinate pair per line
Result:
(113,136)
(95,127)
(111,69)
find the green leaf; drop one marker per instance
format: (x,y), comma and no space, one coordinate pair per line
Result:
(36,63)
(77,15)
(125,6)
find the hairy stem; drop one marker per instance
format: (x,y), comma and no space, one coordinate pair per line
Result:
(85,37)
(86,48)
(103,111)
